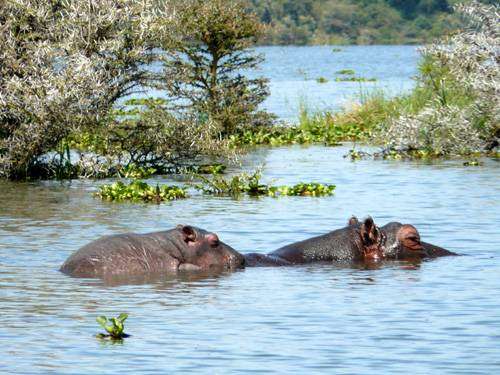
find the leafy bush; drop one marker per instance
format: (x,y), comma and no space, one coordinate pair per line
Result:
(459,82)
(63,65)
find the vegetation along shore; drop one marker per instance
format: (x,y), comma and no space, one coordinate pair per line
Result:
(68,110)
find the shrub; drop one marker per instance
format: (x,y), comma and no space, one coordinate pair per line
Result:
(63,64)
(460,77)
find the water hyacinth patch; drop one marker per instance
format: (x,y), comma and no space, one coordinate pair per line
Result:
(346,72)
(115,330)
(250,184)
(312,189)
(138,191)
(355,79)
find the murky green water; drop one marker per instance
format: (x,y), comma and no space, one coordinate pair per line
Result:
(442,316)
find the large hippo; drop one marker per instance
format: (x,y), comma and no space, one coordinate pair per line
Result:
(184,248)
(357,242)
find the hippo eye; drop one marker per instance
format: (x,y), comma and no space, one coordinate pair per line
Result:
(214,243)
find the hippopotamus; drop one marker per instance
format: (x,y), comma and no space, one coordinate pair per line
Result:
(357,242)
(182,249)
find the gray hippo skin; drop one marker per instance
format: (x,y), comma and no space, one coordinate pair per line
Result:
(184,248)
(357,242)
(403,242)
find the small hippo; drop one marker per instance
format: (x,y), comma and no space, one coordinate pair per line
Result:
(357,242)
(184,248)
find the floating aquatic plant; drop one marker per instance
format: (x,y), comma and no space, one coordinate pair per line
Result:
(355,79)
(346,72)
(321,80)
(251,184)
(140,191)
(472,163)
(115,328)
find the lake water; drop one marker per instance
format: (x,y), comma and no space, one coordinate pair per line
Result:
(293,74)
(442,316)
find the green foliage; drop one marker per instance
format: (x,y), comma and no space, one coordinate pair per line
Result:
(251,184)
(321,80)
(216,168)
(63,66)
(473,163)
(346,72)
(137,191)
(354,79)
(115,330)
(354,124)
(456,100)
(312,189)
(135,172)
(202,67)
(354,21)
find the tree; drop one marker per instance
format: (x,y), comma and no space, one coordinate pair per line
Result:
(63,65)
(203,67)
(461,74)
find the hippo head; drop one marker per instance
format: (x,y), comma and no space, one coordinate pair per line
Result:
(395,240)
(204,251)
(402,241)
(371,239)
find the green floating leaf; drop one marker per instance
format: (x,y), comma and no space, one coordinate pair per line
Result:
(122,317)
(102,320)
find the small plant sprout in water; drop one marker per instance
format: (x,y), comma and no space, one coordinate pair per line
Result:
(321,80)
(113,326)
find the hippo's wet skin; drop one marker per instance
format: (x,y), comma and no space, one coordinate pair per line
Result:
(184,248)
(357,242)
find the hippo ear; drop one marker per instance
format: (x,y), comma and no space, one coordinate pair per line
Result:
(353,220)
(370,234)
(188,233)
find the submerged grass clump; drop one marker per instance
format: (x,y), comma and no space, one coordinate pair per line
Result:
(115,330)
(137,191)
(250,184)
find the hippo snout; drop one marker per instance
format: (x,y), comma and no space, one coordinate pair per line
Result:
(234,258)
